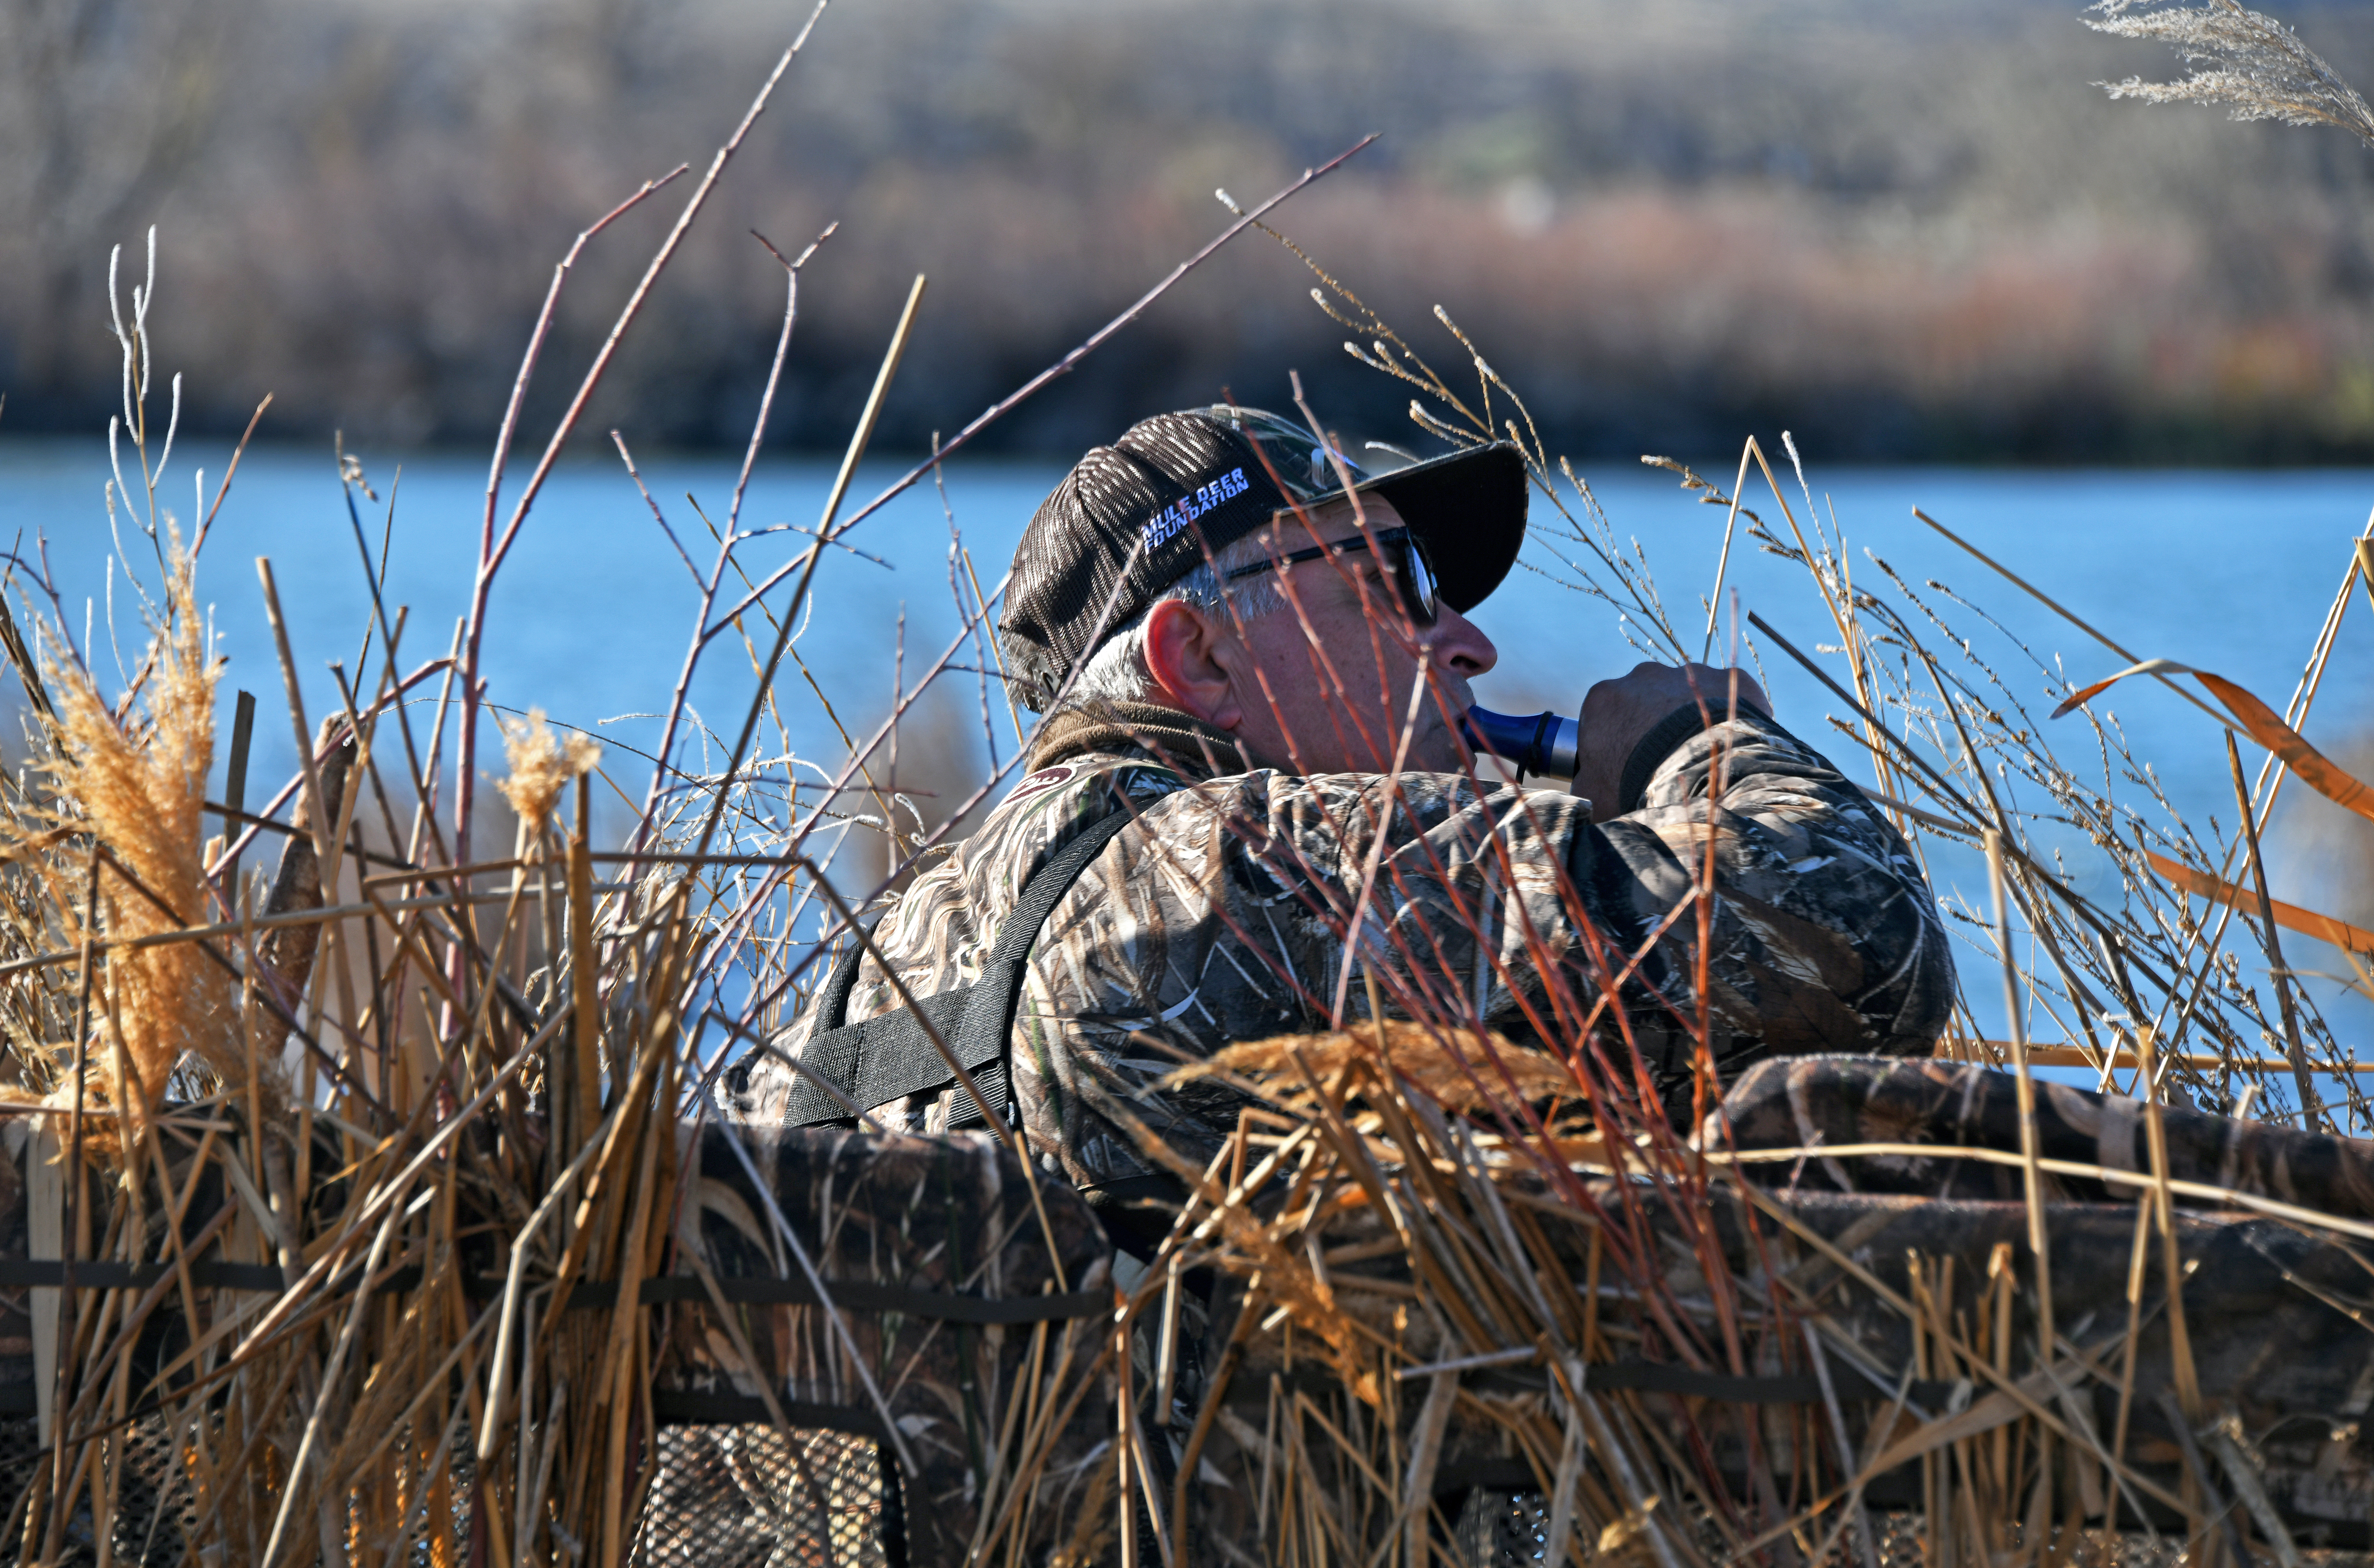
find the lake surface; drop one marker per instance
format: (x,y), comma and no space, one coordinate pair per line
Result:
(592,611)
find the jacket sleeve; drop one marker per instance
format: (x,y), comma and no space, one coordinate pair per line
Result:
(1513,906)
(1824,936)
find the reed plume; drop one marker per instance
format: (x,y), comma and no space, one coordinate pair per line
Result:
(2245,60)
(542,766)
(115,843)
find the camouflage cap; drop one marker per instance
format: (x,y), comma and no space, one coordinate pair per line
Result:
(1133,518)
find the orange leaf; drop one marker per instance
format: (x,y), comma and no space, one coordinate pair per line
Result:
(2307,922)
(2315,769)
(2148,667)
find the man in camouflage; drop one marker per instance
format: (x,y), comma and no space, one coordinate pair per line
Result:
(1262,653)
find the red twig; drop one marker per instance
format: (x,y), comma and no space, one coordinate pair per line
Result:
(491,550)
(1061,367)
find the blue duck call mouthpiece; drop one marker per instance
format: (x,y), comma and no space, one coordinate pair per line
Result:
(1537,743)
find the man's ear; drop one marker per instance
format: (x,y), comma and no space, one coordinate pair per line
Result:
(1184,655)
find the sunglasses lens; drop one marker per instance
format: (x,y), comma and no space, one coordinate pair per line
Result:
(1417,579)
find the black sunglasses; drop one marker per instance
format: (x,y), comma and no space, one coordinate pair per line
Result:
(1404,560)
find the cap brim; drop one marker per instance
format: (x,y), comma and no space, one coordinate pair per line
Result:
(1469,511)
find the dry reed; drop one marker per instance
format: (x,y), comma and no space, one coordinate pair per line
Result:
(413,1247)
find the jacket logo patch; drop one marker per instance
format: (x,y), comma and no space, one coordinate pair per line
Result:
(1164,525)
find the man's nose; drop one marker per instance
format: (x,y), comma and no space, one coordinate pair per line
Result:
(1460,644)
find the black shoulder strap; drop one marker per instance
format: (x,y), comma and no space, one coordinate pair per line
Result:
(834,1012)
(891,1057)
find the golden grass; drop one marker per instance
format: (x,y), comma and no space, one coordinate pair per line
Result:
(121,819)
(507,1051)
(542,766)
(478,1105)
(1461,1069)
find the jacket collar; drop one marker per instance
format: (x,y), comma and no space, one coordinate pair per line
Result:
(1178,740)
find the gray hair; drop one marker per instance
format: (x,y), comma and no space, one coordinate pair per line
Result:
(1117,672)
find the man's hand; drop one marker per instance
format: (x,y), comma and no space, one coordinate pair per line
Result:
(1617,715)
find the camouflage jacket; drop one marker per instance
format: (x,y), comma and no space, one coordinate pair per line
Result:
(1221,915)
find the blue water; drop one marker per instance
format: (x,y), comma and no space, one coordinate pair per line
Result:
(591,614)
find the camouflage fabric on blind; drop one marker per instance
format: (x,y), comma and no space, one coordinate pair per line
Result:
(2271,1310)
(2275,1313)
(1819,1102)
(972,1404)
(1221,916)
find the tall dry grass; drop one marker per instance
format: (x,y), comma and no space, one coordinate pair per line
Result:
(335,1195)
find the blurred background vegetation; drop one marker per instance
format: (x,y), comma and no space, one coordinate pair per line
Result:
(1907,229)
